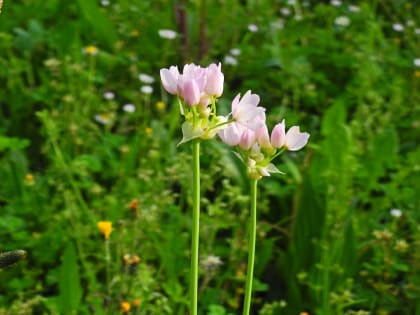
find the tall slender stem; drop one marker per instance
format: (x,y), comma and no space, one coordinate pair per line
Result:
(195,228)
(251,247)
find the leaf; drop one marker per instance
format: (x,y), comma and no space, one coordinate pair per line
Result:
(13,143)
(100,24)
(69,282)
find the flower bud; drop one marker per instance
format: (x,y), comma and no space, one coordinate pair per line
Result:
(215,78)
(191,93)
(278,135)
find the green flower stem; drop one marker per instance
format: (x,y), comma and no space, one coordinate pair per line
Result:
(251,247)
(107,262)
(195,228)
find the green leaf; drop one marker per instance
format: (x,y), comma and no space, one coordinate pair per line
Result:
(100,24)
(13,143)
(69,282)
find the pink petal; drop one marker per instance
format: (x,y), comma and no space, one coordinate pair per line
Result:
(278,135)
(296,140)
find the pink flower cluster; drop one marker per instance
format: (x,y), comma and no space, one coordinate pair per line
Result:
(195,85)
(245,127)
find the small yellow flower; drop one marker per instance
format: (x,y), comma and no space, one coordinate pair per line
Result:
(91,50)
(417,73)
(105,227)
(304,313)
(148,131)
(160,105)
(125,307)
(134,33)
(29,180)
(136,302)
(133,204)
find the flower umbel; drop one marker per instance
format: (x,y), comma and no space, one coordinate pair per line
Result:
(197,89)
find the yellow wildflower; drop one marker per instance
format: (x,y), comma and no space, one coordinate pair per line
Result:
(91,50)
(136,302)
(105,227)
(149,131)
(125,307)
(160,105)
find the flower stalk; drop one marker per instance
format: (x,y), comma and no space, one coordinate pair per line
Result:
(251,246)
(195,228)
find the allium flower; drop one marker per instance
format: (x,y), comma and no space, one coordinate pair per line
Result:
(167,34)
(145,78)
(398,27)
(105,227)
(293,140)
(342,21)
(246,111)
(215,78)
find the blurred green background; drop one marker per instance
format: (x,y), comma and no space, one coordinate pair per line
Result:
(87,134)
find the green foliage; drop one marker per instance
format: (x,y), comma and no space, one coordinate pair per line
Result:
(327,241)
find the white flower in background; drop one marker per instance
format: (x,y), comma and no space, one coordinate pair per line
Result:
(129,108)
(235,51)
(211,262)
(109,95)
(145,78)
(230,60)
(416,62)
(285,11)
(298,17)
(396,213)
(410,23)
(342,21)
(105,3)
(253,28)
(354,8)
(417,31)
(168,34)
(335,3)
(398,27)
(146,89)
(277,24)
(104,118)
(291,2)
(306,4)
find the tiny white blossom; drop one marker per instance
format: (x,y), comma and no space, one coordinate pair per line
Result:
(168,34)
(277,24)
(253,28)
(354,8)
(129,108)
(417,31)
(335,3)
(235,51)
(105,3)
(211,262)
(230,60)
(398,27)
(145,78)
(416,62)
(109,95)
(104,118)
(306,4)
(285,11)
(342,21)
(298,17)
(146,89)
(396,213)
(291,2)
(410,23)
